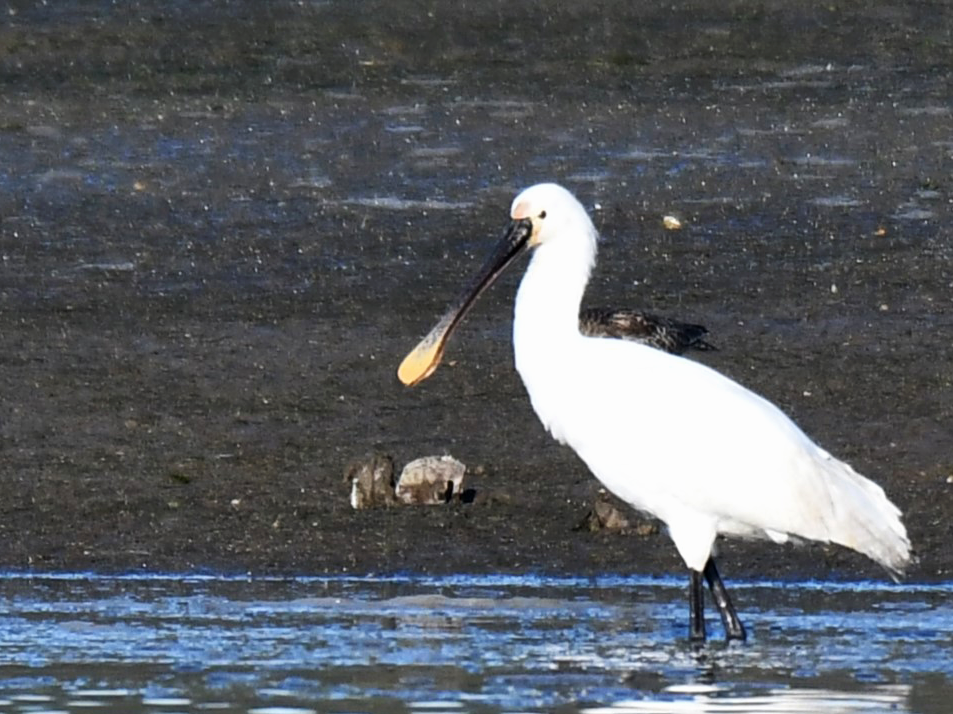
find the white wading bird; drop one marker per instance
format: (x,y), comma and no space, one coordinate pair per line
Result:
(752,472)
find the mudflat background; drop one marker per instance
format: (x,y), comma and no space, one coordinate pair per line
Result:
(223,224)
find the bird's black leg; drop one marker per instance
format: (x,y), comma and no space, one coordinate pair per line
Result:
(696,603)
(734,630)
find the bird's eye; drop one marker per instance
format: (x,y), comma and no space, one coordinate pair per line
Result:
(542,214)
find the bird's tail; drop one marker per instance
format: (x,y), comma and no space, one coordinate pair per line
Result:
(865,520)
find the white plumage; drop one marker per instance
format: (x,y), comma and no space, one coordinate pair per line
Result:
(670,436)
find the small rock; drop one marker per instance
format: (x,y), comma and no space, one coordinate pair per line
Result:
(431,480)
(371,479)
(611,517)
(647,528)
(606,515)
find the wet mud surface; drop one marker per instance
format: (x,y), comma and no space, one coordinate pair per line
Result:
(222,225)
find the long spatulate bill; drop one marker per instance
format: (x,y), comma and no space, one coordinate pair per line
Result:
(421,362)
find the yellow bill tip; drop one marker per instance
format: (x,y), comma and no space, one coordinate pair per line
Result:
(420,363)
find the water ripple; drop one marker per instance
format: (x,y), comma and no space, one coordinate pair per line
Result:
(464,643)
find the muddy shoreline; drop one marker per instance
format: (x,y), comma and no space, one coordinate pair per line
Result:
(223,226)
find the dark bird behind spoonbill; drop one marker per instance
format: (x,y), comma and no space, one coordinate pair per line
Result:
(662,333)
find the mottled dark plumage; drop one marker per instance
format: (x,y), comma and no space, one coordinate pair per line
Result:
(660,332)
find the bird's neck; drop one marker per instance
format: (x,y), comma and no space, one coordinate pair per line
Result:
(546,316)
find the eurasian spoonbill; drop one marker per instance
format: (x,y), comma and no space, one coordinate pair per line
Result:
(751,472)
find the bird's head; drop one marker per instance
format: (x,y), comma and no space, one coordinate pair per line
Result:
(552,213)
(544,214)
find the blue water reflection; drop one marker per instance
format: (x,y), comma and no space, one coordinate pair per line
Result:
(463,643)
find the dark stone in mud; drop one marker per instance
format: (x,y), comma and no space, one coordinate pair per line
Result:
(370,482)
(610,514)
(223,225)
(607,516)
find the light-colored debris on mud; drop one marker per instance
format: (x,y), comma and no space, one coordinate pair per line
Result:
(431,480)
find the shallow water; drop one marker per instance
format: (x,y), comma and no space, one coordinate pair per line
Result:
(464,644)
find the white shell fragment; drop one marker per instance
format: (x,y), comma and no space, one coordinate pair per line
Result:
(671,223)
(431,480)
